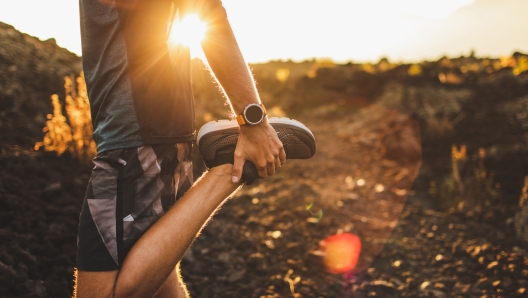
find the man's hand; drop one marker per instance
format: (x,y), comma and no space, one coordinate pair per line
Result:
(260,145)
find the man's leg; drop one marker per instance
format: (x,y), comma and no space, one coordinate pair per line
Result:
(155,255)
(173,286)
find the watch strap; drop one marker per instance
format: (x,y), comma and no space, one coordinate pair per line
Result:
(240,119)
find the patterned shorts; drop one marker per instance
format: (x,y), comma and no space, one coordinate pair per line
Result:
(129,190)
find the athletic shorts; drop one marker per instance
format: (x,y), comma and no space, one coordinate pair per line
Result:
(129,190)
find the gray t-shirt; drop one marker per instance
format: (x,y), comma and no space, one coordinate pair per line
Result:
(138,94)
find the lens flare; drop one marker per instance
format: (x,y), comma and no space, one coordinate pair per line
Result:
(341,252)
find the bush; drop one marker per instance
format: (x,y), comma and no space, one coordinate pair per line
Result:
(74,133)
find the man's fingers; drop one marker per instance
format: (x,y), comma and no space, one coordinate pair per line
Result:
(262,169)
(282,156)
(278,163)
(236,174)
(271,168)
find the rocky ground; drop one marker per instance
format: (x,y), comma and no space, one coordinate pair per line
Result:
(370,176)
(40,200)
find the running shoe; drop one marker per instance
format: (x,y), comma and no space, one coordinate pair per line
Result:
(217,141)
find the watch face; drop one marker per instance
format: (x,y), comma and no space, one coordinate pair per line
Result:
(254,114)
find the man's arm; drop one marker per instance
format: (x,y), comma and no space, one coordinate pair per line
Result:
(259,143)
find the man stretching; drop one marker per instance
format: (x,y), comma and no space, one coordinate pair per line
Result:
(140,213)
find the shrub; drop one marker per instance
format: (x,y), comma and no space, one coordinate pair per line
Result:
(58,133)
(470,184)
(75,132)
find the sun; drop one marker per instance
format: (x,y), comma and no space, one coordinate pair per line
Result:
(188,31)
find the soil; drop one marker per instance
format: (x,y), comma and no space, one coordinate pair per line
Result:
(370,176)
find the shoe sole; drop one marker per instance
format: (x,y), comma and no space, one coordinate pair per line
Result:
(217,136)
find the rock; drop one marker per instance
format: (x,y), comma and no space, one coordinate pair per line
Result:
(236,276)
(56,186)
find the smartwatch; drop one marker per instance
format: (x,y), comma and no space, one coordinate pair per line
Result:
(253,114)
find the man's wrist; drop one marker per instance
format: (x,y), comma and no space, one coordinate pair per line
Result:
(252,114)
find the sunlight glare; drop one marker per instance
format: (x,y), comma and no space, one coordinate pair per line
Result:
(188,32)
(432,9)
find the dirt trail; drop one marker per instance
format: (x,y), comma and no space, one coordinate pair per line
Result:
(430,254)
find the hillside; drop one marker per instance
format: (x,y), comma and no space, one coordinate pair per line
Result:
(30,71)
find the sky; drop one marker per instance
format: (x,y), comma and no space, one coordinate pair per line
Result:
(343,30)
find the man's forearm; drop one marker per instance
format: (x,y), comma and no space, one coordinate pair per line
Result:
(258,144)
(227,63)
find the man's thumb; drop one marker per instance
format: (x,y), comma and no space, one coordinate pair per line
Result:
(236,174)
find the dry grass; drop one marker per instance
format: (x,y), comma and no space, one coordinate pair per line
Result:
(73,133)
(470,184)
